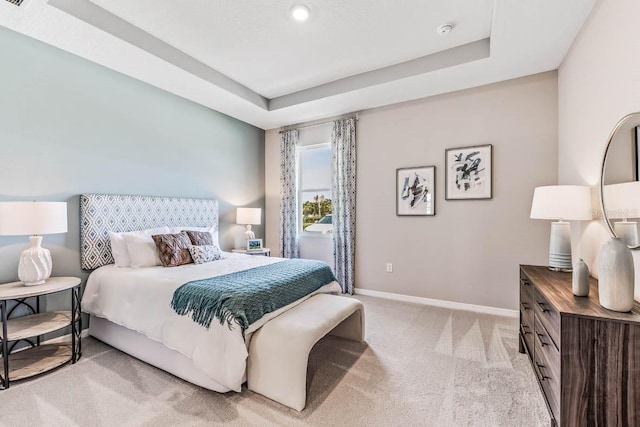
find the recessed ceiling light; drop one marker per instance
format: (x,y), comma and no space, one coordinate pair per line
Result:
(300,12)
(445,29)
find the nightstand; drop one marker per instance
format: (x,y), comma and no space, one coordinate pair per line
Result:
(263,251)
(39,358)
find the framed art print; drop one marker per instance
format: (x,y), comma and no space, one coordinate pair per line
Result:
(254,244)
(415,191)
(469,172)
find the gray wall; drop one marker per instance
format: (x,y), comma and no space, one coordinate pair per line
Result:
(470,251)
(598,84)
(69,126)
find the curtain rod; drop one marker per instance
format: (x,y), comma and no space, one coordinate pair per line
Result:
(319,122)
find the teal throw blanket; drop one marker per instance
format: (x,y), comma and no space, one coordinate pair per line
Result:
(245,296)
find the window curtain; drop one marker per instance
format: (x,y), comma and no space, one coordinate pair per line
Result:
(288,195)
(343,193)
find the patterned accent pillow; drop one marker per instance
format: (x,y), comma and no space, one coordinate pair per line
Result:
(199,238)
(173,248)
(206,253)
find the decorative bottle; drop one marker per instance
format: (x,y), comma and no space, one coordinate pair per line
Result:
(580,279)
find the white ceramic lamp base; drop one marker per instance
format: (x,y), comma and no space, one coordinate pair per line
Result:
(627,231)
(35,263)
(560,247)
(249,234)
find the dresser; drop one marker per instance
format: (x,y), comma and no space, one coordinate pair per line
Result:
(585,357)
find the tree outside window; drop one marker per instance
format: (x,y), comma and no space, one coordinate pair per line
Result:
(315,188)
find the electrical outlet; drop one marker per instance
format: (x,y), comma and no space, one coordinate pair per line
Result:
(389,267)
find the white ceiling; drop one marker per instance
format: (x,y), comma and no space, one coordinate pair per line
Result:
(248,59)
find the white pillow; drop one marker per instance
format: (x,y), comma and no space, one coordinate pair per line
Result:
(213,230)
(142,251)
(119,250)
(119,245)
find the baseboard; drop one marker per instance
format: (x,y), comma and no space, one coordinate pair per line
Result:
(439,303)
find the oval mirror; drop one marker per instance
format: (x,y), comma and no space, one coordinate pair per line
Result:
(620,181)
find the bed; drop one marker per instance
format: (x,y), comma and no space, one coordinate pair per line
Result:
(130,308)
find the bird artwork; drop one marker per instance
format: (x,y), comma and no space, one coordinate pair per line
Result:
(469,172)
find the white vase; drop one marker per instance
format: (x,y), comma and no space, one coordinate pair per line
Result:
(580,279)
(616,276)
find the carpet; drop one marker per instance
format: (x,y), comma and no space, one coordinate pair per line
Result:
(421,366)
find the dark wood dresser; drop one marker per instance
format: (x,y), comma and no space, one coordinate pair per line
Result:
(585,357)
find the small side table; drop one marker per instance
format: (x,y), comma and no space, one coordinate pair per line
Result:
(30,328)
(263,251)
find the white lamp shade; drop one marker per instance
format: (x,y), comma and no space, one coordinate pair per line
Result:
(572,202)
(32,218)
(622,200)
(248,216)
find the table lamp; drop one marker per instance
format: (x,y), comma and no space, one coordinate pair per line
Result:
(561,202)
(623,202)
(34,219)
(248,217)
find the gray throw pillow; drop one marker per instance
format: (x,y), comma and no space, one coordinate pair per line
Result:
(173,249)
(199,238)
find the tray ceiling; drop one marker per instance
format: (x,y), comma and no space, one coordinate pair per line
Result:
(250,60)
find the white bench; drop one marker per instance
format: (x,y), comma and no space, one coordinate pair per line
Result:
(279,351)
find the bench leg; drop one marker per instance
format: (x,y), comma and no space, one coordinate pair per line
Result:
(351,328)
(279,371)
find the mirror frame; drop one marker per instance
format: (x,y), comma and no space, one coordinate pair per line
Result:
(613,133)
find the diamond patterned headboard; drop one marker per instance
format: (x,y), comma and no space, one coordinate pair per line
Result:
(101,213)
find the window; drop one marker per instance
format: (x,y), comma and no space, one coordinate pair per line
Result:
(315,188)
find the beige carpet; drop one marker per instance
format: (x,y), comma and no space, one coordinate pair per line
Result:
(423,366)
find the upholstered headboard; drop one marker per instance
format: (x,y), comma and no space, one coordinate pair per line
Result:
(101,213)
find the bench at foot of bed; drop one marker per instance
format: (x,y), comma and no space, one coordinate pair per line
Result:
(279,351)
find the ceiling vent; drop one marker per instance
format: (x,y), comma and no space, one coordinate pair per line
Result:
(16,2)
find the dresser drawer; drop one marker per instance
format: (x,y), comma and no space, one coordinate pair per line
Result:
(526,297)
(550,352)
(526,314)
(526,301)
(526,288)
(548,316)
(526,331)
(547,367)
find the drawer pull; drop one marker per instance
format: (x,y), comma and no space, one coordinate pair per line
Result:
(525,305)
(542,343)
(542,307)
(525,329)
(542,376)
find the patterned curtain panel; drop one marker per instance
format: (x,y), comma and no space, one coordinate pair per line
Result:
(343,193)
(288,195)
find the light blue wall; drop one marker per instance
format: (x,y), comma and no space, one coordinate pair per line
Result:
(69,126)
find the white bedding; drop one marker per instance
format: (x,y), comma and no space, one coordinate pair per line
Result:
(139,299)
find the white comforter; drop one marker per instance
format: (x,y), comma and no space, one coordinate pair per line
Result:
(140,299)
